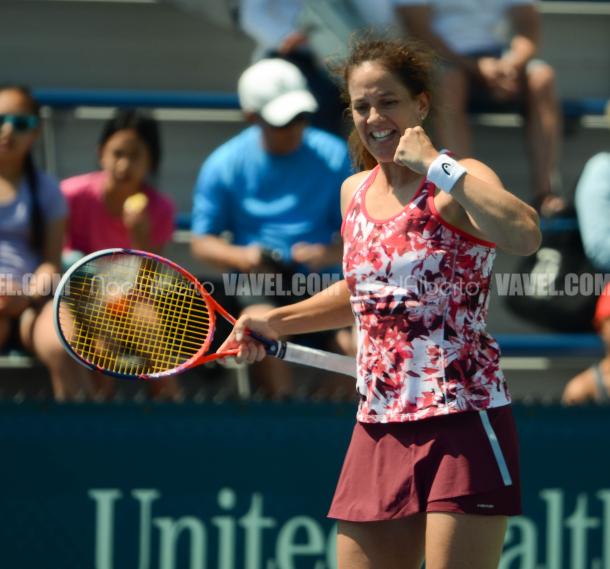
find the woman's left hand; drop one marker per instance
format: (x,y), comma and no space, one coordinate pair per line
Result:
(415,150)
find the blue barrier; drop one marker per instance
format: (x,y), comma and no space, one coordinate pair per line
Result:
(574,108)
(550,344)
(66,98)
(558,224)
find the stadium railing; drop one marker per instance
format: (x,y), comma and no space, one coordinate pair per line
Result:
(66,98)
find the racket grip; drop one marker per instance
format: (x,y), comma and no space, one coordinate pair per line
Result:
(272,347)
(308,356)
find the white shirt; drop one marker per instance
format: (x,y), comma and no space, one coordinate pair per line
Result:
(269,22)
(469,26)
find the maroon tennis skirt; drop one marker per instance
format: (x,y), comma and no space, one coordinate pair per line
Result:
(465,463)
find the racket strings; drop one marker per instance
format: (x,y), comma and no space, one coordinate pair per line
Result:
(133,315)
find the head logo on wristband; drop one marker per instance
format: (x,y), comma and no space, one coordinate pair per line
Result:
(444,172)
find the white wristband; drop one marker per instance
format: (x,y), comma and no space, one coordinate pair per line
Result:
(444,172)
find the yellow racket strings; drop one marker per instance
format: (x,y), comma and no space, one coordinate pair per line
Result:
(133,315)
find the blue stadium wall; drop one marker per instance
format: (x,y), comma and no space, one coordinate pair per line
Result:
(247,486)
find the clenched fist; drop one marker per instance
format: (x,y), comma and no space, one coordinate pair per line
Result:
(415,150)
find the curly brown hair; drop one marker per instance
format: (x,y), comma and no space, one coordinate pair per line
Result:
(409,61)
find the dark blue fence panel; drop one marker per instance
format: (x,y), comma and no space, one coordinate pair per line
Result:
(247,486)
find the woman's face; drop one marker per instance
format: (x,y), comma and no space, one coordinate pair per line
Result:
(18,126)
(383,108)
(126,158)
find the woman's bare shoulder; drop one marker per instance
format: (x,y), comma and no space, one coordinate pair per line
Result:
(349,187)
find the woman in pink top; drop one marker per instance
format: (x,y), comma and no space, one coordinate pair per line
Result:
(432,468)
(99,212)
(116,207)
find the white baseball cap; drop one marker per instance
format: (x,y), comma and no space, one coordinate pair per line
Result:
(276,90)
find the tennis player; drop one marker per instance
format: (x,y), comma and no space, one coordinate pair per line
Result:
(432,468)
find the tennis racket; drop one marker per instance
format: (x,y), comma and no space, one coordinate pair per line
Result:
(133,314)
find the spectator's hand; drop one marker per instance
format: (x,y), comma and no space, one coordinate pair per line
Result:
(313,255)
(252,260)
(489,69)
(292,42)
(415,150)
(500,76)
(509,77)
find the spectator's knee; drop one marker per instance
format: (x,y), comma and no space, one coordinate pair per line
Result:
(541,79)
(579,390)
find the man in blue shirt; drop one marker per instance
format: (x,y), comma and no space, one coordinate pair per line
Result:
(275,187)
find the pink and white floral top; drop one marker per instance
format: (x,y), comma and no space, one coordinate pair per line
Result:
(419,291)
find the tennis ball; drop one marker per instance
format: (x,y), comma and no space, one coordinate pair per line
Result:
(136,203)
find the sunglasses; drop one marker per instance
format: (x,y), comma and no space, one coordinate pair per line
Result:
(20,123)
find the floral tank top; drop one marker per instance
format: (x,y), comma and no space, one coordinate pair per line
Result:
(419,292)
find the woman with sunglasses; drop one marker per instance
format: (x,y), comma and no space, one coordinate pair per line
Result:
(32,222)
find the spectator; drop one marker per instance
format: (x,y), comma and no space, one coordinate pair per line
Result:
(275,27)
(592,207)
(102,215)
(117,207)
(32,223)
(593,384)
(480,67)
(275,187)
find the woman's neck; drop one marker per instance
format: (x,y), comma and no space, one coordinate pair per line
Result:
(11,172)
(398,179)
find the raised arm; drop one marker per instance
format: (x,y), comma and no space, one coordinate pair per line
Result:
(494,212)
(486,209)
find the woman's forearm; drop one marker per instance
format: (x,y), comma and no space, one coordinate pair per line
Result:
(327,310)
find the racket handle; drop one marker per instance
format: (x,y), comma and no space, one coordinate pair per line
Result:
(272,347)
(304,355)
(320,359)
